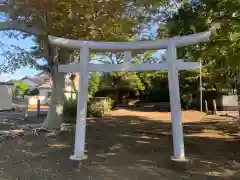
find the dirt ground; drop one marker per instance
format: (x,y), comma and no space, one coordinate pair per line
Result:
(127,145)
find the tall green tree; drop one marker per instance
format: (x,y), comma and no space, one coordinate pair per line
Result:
(198,16)
(20,88)
(222,53)
(75,19)
(94,83)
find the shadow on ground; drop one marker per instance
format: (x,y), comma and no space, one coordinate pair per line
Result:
(126,148)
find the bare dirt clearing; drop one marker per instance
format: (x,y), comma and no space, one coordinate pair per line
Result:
(127,145)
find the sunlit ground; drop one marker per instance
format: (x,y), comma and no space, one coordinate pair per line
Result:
(128,145)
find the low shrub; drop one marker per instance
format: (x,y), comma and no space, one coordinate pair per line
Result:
(96,107)
(70,107)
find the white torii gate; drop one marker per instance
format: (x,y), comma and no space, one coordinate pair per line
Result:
(171,64)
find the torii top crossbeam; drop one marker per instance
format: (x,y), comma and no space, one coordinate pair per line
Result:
(131,46)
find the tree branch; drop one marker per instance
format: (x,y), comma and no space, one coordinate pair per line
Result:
(21,26)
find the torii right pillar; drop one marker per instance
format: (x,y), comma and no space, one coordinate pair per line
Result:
(176,111)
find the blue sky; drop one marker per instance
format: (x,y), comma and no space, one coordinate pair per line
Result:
(26,44)
(22,72)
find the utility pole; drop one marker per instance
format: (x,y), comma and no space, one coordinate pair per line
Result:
(200,84)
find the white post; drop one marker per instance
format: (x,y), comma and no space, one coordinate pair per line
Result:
(214,107)
(201,94)
(26,109)
(206,106)
(81,107)
(176,112)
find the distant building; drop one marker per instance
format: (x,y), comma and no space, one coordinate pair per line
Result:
(43,82)
(5,96)
(38,80)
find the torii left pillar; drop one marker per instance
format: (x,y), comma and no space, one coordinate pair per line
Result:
(176,111)
(80,132)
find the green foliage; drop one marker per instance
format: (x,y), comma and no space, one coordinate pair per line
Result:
(98,108)
(222,52)
(152,79)
(189,82)
(121,84)
(95,108)
(70,107)
(156,85)
(94,82)
(20,89)
(89,20)
(21,85)
(31,91)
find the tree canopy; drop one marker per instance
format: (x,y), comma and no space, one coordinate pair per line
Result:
(75,19)
(222,51)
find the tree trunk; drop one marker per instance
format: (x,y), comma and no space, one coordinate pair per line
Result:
(54,117)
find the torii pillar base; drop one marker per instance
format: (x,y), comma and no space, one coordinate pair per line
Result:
(78,158)
(185,160)
(180,164)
